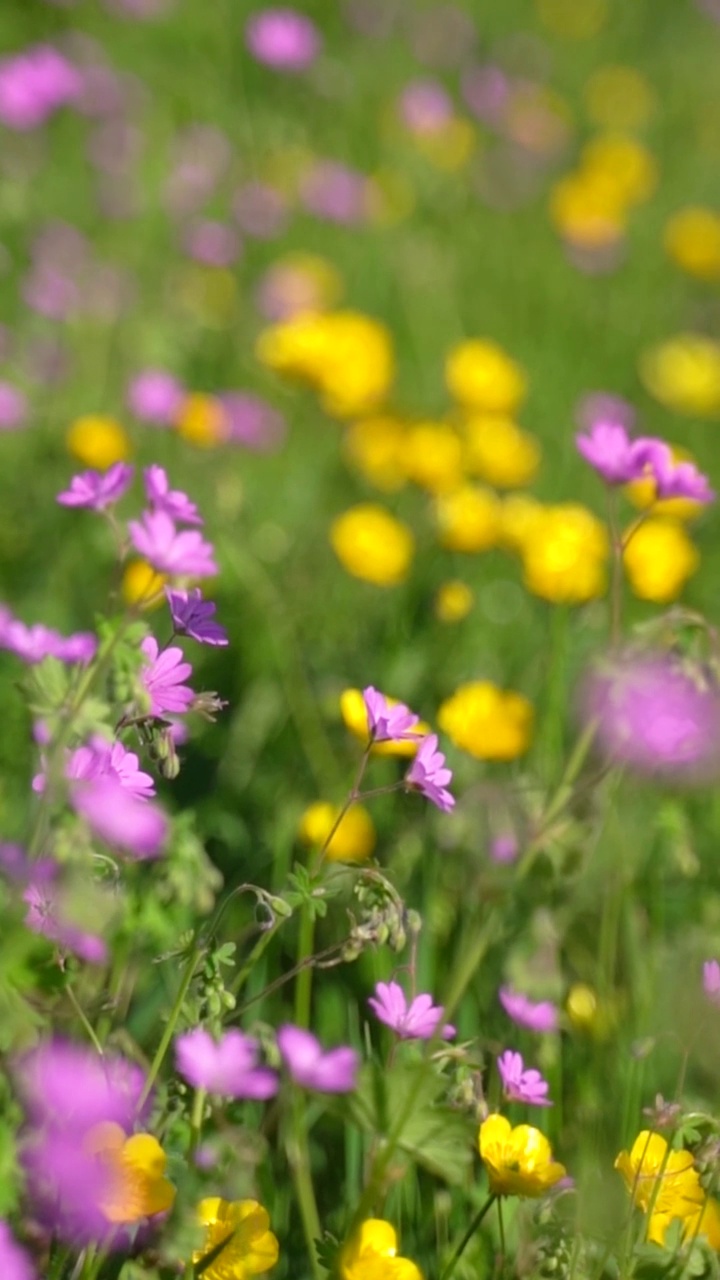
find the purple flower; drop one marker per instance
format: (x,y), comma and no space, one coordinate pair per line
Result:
(521,1085)
(135,827)
(162,679)
(49,914)
(418,1020)
(282,39)
(33,85)
(215,244)
(173,502)
(13,407)
(252,422)
(542,1016)
(193,616)
(156,397)
(602,406)
(504,847)
(486,90)
(309,1065)
(98,759)
(679,479)
(98,489)
(388,722)
(608,448)
(711,980)
(425,107)
(228,1066)
(181,555)
(33,644)
(428,774)
(334,191)
(15,1263)
(260,210)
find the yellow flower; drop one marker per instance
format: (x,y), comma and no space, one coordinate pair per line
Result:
(354,714)
(500,453)
(251,1247)
(307,281)
(619,97)
(453,601)
(571,20)
(432,456)
(133,1185)
(518,516)
(659,559)
(518,1161)
(202,421)
(587,1013)
(704,1222)
(97,441)
(480,375)
(564,558)
(623,164)
(142,585)
(587,212)
(344,355)
(375,446)
(372,545)
(660,1180)
(468,519)
(684,374)
(489,723)
(692,240)
(642,493)
(372,1255)
(354,839)
(450,147)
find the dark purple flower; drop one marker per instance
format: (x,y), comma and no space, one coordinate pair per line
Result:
(162,677)
(282,39)
(181,555)
(387,721)
(252,422)
(417,1020)
(135,827)
(173,502)
(228,1067)
(429,775)
(309,1065)
(13,407)
(541,1016)
(98,489)
(521,1085)
(711,981)
(156,397)
(194,617)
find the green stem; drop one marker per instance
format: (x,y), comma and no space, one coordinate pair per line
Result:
(83,1018)
(459,1251)
(303,985)
(169,1031)
(258,950)
(501,1228)
(298,1154)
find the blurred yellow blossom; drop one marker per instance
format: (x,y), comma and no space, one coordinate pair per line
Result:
(354,714)
(480,375)
(250,1247)
(684,374)
(665,1184)
(432,456)
(659,559)
(372,544)
(450,147)
(97,441)
(489,723)
(305,281)
(623,164)
(619,97)
(202,421)
(519,1161)
(692,240)
(588,213)
(564,558)
(134,1185)
(499,452)
(468,519)
(372,1254)
(354,839)
(642,493)
(582,1006)
(142,585)
(346,356)
(453,601)
(375,446)
(518,515)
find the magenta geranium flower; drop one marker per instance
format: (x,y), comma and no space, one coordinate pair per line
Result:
(180,555)
(162,678)
(228,1066)
(540,1016)
(33,644)
(99,758)
(192,616)
(155,396)
(173,502)
(98,489)
(429,774)
(15,1263)
(679,479)
(388,722)
(47,915)
(521,1085)
(416,1020)
(309,1065)
(609,450)
(135,827)
(283,39)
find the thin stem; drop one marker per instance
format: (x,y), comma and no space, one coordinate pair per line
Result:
(258,950)
(196,1120)
(83,1018)
(616,579)
(303,986)
(350,799)
(298,1153)
(501,1228)
(459,1251)
(167,1035)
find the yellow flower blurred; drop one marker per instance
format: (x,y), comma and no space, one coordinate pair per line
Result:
(684,374)
(480,375)
(499,452)
(142,585)
(487,722)
(432,456)
(564,558)
(354,715)
(587,1013)
(202,421)
(371,544)
(518,516)
(372,1254)
(453,601)
(619,97)
(97,441)
(588,213)
(705,1221)
(375,446)
(134,1185)
(659,559)
(346,356)
(450,147)
(692,240)
(468,519)
(623,164)
(519,1161)
(642,493)
(308,281)
(354,839)
(661,1182)
(251,1247)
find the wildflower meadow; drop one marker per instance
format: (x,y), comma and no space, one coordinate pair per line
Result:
(359,639)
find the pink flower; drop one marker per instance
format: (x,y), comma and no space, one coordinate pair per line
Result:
(536,1017)
(162,679)
(181,555)
(388,722)
(711,980)
(521,1085)
(155,396)
(173,502)
(679,479)
(15,1263)
(97,489)
(33,644)
(309,1065)
(418,1020)
(99,758)
(135,827)
(13,407)
(282,39)
(428,774)
(227,1067)
(49,916)
(608,448)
